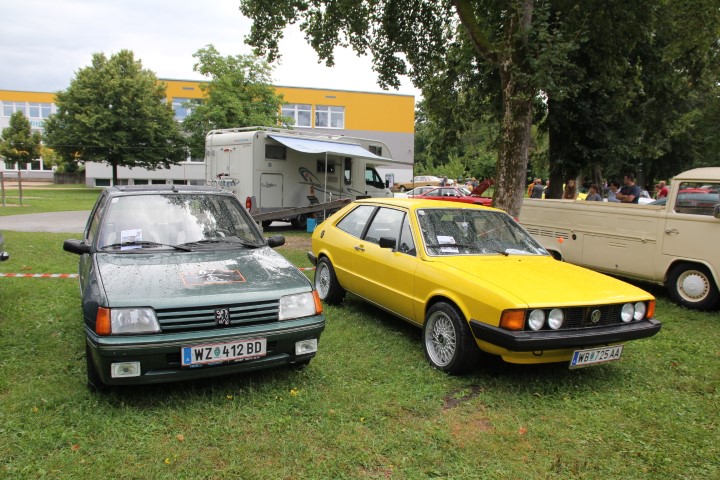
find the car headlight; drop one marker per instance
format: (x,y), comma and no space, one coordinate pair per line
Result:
(119,321)
(536,319)
(627,313)
(640,311)
(298,305)
(556,317)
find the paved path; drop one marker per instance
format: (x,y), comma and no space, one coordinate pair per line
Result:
(71,222)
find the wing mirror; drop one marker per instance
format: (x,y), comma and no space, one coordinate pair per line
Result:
(387,242)
(76,246)
(276,241)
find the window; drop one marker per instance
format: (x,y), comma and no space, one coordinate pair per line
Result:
(275,152)
(372,178)
(181,107)
(300,113)
(354,222)
(139,181)
(697,198)
(102,182)
(386,223)
(376,150)
(407,244)
(321,163)
(158,182)
(329,117)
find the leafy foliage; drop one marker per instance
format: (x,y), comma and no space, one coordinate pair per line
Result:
(238,94)
(116,112)
(18,143)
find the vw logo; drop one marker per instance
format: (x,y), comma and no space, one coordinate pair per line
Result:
(595,316)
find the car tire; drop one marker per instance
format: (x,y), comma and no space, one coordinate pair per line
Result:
(448,342)
(326,283)
(94,382)
(300,221)
(692,286)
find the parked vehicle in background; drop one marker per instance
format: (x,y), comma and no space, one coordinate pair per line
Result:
(455,194)
(3,254)
(276,170)
(474,280)
(418,181)
(672,242)
(416,191)
(178,283)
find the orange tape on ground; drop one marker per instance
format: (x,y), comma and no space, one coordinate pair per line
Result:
(39,275)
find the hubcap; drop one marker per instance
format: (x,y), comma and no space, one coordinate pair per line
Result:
(693,286)
(322,281)
(440,339)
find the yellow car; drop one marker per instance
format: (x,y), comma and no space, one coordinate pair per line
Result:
(475,280)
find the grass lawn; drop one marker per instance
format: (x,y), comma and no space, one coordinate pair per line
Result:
(52,198)
(368,406)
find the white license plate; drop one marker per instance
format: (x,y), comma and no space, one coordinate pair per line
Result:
(223,352)
(592,356)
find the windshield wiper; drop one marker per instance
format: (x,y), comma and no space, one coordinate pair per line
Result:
(233,240)
(147,244)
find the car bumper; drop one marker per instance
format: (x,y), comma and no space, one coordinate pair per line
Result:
(159,355)
(523,341)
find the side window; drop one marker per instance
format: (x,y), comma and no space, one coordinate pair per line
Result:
(697,198)
(348,170)
(406,244)
(355,221)
(95,222)
(373,179)
(386,223)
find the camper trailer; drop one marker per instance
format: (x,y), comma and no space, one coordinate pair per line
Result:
(276,170)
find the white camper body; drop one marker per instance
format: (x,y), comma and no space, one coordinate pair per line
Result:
(276,169)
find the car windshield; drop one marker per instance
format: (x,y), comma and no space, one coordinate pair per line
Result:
(168,220)
(465,231)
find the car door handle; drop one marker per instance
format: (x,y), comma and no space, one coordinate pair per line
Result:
(359,248)
(673,231)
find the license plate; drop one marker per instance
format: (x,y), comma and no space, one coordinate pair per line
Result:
(223,352)
(582,358)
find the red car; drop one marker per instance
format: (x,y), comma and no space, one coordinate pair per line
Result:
(455,194)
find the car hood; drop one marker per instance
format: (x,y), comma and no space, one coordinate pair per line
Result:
(542,281)
(185,279)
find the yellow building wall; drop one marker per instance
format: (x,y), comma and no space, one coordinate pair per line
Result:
(385,112)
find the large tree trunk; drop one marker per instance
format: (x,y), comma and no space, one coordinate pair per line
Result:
(515,145)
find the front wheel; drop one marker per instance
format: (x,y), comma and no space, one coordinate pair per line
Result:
(448,341)
(692,286)
(326,283)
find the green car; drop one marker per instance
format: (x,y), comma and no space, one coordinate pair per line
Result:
(177,282)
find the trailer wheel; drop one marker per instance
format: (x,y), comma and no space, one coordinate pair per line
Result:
(266,223)
(299,221)
(692,286)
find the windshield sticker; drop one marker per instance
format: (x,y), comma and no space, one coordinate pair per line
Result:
(447,240)
(212,277)
(130,236)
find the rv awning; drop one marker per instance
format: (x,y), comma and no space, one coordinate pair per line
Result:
(307,145)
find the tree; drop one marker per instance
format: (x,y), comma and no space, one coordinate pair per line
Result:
(116,112)
(239,94)
(511,42)
(18,143)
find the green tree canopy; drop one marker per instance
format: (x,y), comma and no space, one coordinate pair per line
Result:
(513,46)
(18,143)
(238,94)
(116,112)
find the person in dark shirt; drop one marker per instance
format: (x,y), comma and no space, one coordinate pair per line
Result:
(593,195)
(629,193)
(537,189)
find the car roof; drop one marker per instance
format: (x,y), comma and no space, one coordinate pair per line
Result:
(132,189)
(419,202)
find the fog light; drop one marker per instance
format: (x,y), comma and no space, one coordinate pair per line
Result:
(125,369)
(306,346)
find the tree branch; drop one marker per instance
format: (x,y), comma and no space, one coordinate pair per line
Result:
(480,42)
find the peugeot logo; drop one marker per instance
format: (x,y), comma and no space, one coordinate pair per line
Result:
(222,317)
(595,316)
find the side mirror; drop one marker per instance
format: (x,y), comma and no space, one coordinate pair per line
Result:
(387,183)
(76,246)
(387,242)
(276,241)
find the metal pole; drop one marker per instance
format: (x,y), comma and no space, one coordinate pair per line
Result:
(20,185)
(2,187)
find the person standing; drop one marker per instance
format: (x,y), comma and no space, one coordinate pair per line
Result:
(629,193)
(663,192)
(571,191)
(537,189)
(593,195)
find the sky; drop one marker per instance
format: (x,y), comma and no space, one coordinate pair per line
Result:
(43,43)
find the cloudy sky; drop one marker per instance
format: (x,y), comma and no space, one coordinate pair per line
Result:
(44,42)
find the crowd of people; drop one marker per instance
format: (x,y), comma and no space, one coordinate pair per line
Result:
(613,191)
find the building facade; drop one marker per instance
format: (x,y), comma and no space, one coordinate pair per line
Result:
(387,117)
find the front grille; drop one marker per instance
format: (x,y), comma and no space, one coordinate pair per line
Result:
(203,318)
(580,317)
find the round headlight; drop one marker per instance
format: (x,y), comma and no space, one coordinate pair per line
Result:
(640,311)
(627,313)
(556,318)
(536,319)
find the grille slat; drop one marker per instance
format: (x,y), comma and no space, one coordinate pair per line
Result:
(203,318)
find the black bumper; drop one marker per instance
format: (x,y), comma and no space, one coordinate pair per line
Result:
(524,341)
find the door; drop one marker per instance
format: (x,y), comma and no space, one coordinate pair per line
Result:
(271,190)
